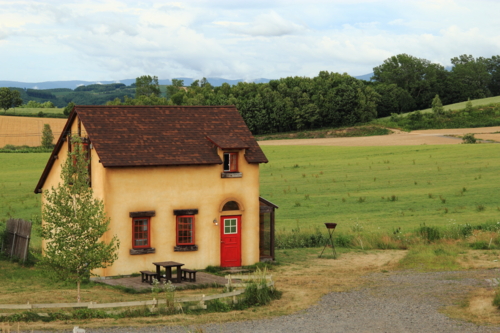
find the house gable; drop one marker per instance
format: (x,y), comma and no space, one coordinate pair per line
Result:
(138,136)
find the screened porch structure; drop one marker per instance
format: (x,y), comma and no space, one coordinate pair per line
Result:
(266,230)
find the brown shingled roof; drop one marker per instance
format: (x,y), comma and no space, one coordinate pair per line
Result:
(129,136)
(227,142)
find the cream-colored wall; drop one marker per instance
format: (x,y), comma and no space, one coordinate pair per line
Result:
(54,176)
(163,189)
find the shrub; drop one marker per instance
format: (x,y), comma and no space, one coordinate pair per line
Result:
(480,245)
(344,240)
(217,305)
(430,234)
(260,294)
(469,138)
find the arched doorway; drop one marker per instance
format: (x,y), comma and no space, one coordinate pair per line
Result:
(230,234)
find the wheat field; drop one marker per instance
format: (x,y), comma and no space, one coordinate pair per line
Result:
(21,131)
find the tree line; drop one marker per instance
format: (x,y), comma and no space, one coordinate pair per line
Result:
(401,84)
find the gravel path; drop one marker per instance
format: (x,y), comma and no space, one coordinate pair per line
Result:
(397,302)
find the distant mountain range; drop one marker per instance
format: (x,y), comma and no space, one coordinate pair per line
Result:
(75,83)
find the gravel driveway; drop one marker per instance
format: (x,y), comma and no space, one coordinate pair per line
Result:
(393,302)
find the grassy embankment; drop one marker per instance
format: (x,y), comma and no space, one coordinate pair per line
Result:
(483,113)
(35,112)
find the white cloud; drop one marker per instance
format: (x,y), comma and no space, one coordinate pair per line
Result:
(113,40)
(266,25)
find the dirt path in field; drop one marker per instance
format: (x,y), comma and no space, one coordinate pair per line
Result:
(20,131)
(398,138)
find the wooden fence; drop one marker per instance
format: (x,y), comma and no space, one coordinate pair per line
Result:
(200,300)
(17,240)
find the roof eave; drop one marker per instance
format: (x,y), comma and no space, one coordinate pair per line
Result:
(55,152)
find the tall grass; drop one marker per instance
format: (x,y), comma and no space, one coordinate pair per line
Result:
(475,236)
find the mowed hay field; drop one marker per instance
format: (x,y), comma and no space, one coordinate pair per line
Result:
(19,131)
(382,188)
(375,187)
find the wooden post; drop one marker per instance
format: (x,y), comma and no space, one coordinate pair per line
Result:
(202,302)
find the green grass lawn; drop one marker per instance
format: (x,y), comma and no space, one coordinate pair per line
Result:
(475,102)
(457,106)
(382,187)
(18,177)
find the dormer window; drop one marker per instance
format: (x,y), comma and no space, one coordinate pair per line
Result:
(230,162)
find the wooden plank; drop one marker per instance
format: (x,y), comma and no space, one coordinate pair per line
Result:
(123,304)
(188,299)
(218,296)
(16,306)
(60,305)
(248,277)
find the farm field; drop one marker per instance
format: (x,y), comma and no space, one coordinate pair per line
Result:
(436,185)
(21,111)
(19,174)
(19,131)
(382,188)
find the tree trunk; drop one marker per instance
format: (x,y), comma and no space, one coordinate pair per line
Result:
(78,291)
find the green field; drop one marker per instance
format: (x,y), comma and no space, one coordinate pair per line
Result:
(435,185)
(382,187)
(18,177)
(22,111)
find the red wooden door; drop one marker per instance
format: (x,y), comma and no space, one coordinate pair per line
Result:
(230,239)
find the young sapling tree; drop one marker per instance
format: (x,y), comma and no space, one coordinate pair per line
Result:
(74,223)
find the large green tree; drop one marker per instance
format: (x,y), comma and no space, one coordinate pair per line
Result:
(9,98)
(147,85)
(493,65)
(74,223)
(470,77)
(419,77)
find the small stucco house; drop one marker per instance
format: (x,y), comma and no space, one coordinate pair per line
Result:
(180,183)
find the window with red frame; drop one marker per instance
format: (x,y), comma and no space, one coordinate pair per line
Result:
(185,230)
(230,162)
(141,232)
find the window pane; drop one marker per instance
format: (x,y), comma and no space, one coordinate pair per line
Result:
(140,233)
(226,161)
(230,226)
(185,230)
(233,161)
(231,205)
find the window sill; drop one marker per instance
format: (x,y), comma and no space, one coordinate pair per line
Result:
(231,175)
(142,251)
(185,248)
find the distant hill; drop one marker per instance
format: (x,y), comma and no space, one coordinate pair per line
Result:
(215,81)
(365,77)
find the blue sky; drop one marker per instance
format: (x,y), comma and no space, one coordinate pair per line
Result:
(117,39)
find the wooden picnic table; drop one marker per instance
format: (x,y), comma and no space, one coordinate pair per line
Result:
(168,270)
